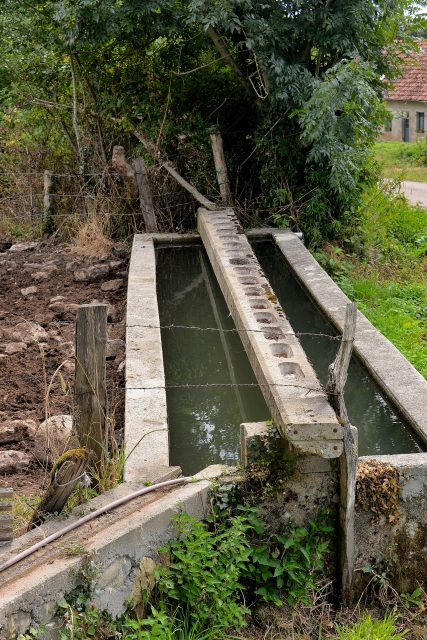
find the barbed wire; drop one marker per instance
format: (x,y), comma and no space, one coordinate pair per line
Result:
(264,329)
(89,196)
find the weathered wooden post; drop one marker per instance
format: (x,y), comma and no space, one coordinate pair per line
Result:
(145,199)
(67,472)
(6,516)
(348,460)
(48,201)
(136,180)
(90,393)
(221,168)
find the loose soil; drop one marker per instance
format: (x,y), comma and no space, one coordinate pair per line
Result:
(24,377)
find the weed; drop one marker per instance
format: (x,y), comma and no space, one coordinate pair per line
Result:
(368,629)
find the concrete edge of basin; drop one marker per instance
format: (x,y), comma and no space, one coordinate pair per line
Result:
(118,542)
(405,387)
(146,422)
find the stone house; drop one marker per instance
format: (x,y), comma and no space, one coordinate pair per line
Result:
(407,102)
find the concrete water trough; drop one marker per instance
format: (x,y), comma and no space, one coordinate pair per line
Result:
(124,541)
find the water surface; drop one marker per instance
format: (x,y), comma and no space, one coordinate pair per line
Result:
(381,430)
(204,420)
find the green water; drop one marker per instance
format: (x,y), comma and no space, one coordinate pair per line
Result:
(381,430)
(204,420)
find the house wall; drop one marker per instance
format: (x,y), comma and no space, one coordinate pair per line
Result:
(411,107)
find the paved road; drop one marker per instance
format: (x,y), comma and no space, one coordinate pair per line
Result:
(415,192)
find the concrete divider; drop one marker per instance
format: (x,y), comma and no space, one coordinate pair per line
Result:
(395,375)
(290,386)
(146,423)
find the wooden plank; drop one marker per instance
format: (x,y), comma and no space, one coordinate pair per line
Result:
(145,199)
(221,168)
(6,515)
(348,460)
(196,194)
(90,393)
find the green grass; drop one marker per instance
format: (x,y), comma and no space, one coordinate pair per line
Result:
(401,160)
(385,271)
(368,629)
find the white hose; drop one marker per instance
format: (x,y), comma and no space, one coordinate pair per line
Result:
(90,516)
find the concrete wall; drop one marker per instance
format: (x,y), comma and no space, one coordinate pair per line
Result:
(123,544)
(397,107)
(146,422)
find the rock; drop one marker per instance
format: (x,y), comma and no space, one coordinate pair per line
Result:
(71,266)
(115,264)
(27,332)
(23,246)
(13,461)
(94,272)
(121,366)
(145,580)
(17,430)
(3,359)
(39,276)
(57,299)
(115,348)
(5,244)
(111,309)
(29,291)
(112,285)
(61,308)
(54,434)
(15,347)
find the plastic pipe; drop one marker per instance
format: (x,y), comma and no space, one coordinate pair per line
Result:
(88,518)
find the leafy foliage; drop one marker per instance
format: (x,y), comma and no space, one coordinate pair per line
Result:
(297,95)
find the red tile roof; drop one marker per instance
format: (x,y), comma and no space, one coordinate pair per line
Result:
(413,84)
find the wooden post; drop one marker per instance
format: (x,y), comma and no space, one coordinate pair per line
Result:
(221,168)
(48,201)
(90,393)
(6,516)
(67,472)
(125,170)
(145,200)
(348,460)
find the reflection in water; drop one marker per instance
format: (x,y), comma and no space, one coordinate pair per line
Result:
(381,431)
(203,421)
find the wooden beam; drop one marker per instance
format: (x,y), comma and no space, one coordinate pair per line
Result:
(90,393)
(6,515)
(145,199)
(348,460)
(221,168)
(156,154)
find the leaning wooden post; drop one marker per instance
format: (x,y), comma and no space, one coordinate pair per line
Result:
(90,393)
(48,202)
(145,200)
(348,460)
(221,168)
(6,516)
(68,471)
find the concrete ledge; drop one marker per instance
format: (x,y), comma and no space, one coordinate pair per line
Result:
(399,380)
(146,423)
(288,382)
(119,541)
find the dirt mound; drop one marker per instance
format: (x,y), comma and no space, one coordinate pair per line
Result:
(39,296)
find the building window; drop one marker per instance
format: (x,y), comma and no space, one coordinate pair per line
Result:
(420,122)
(388,122)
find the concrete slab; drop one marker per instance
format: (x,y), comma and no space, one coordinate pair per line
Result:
(290,386)
(416,192)
(118,541)
(146,423)
(398,379)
